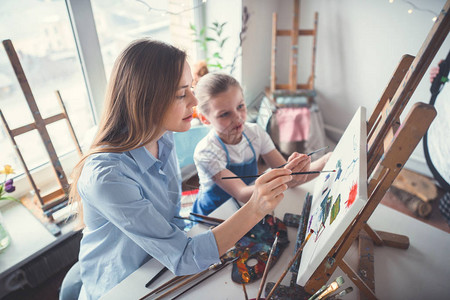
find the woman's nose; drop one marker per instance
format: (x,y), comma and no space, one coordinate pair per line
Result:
(193,100)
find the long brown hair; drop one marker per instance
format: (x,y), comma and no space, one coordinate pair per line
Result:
(142,86)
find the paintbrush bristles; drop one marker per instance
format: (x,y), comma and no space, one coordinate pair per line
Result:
(340,294)
(332,287)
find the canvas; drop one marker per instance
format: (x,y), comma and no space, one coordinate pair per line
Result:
(338,196)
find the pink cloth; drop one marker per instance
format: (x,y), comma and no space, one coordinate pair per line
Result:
(293,123)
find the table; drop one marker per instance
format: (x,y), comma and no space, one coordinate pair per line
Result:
(420,272)
(34,253)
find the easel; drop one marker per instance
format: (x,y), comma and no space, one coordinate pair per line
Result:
(389,146)
(42,206)
(292,88)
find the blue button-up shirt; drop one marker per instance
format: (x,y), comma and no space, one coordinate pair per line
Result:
(129,203)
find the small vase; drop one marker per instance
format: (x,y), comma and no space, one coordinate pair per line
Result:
(5,239)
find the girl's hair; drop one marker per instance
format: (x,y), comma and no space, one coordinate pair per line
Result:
(209,86)
(142,86)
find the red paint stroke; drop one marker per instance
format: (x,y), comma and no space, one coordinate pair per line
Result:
(352,195)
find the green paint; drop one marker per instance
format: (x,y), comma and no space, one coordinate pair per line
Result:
(335,209)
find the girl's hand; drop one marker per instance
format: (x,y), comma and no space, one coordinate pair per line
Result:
(434,71)
(298,163)
(269,189)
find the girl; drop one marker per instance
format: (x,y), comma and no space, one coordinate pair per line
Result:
(129,183)
(233,147)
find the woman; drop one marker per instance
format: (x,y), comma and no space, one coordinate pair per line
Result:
(129,183)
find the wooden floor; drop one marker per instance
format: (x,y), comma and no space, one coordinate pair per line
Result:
(50,289)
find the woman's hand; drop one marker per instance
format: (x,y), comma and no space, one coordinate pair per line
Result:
(267,194)
(298,163)
(269,189)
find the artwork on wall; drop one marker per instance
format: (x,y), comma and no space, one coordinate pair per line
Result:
(338,196)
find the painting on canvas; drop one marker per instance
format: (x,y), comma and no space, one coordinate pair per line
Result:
(338,196)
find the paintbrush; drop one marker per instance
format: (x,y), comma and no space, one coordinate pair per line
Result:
(194,277)
(309,154)
(319,291)
(340,294)
(216,270)
(166,285)
(295,173)
(245,291)
(296,256)
(266,269)
(162,271)
(332,287)
(207,218)
(198,221)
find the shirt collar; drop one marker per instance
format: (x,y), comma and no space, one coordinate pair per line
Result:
(145,160)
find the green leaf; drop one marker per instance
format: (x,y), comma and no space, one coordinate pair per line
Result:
(193,27)
(223,42)
(217,55)
(210,39)
(217,65)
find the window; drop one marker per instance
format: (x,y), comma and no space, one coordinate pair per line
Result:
(42,37)
(119,22)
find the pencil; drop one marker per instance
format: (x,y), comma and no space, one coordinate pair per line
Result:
(295,173)
(296,256)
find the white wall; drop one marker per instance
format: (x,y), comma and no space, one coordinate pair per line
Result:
(360,43)
(229,11)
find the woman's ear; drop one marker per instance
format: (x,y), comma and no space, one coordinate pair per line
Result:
(203,119)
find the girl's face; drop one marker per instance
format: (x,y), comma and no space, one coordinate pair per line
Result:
(227,114)
(179,115)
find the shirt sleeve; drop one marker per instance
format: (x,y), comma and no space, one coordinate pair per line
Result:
(146,221)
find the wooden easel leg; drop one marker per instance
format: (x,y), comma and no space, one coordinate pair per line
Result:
(366,265)
(377,240)
(381,238)
(367,239)
(362,286)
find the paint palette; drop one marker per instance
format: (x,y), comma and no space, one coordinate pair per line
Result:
(254,248)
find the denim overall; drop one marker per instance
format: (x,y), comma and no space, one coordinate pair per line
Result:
(209,200)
